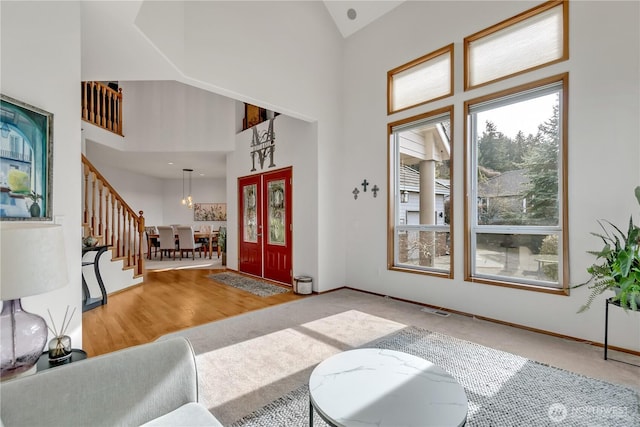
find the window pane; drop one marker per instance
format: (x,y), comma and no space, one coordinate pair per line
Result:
(518,159)
(516,175)
(421,148)
(528,258)
(422,248)
(423,80)
(250,214)
(520,46)
(277,212)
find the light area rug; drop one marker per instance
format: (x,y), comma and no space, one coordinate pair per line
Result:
(254,286)
(242,377)
(503,389)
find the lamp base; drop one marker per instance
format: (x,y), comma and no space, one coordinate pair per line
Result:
(23,336)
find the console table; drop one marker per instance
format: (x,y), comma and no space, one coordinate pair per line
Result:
(89,302)
(606,329)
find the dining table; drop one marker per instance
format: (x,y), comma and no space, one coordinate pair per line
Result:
(196,235)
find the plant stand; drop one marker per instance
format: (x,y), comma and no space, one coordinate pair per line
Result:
(606,330)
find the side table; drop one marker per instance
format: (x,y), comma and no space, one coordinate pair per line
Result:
(44,363)
(606,330)
(89,302)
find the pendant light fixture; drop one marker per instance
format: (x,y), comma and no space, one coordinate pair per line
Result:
(187,201)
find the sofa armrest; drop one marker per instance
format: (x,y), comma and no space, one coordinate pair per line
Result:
(126,387)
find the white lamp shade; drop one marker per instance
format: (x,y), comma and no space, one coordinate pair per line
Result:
(32,259)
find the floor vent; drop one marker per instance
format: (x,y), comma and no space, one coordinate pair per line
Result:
(435,311)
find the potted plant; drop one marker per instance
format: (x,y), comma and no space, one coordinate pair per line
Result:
(617,265)
(222,242)
(34,209)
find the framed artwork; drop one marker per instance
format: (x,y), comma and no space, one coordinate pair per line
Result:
(253,115)
(209,211)
(26,159)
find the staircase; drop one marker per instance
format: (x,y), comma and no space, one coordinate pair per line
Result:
(107,217)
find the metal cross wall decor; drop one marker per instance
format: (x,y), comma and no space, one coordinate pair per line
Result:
(263,145)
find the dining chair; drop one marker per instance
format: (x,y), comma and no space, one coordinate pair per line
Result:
(152,242)
(187,242)
(205,229)
(167,240)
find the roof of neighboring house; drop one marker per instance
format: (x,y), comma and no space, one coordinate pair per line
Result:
(507,184)
(410,181)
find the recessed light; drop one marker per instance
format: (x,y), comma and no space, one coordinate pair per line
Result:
(351,14)
(170,163)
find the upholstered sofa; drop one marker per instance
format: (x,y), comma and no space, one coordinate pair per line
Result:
(153,384)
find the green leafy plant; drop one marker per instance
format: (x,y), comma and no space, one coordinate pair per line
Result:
(222,239)
(617,265)
(33,196)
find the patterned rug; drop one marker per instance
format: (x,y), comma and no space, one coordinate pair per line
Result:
(502,389)
(254,286)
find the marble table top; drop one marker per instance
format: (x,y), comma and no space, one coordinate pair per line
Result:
(386,388)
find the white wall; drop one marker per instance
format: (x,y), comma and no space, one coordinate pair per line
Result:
(294,143)
(41,66)
(159,199)
(604,106)
(302,75)
(171,116)
(286,58)
(142,193)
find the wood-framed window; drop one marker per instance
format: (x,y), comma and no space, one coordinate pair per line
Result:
(516,185)
(420,198)
(530,40)
(422,80)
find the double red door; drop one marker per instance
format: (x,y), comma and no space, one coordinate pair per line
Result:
(265,225)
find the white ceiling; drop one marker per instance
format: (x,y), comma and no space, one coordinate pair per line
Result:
(208,164)
(212,164)
(365,13)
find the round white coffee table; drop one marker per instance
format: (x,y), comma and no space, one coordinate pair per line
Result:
(385,388)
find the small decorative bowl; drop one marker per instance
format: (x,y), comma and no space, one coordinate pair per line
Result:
(89,241)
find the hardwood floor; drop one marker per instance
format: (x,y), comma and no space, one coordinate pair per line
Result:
(165,302)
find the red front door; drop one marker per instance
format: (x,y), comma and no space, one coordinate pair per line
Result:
(265,207)
(250,231)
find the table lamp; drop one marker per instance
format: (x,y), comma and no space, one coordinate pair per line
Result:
(32,262)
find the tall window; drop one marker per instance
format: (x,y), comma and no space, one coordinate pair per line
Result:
(516,209)
(420,193)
